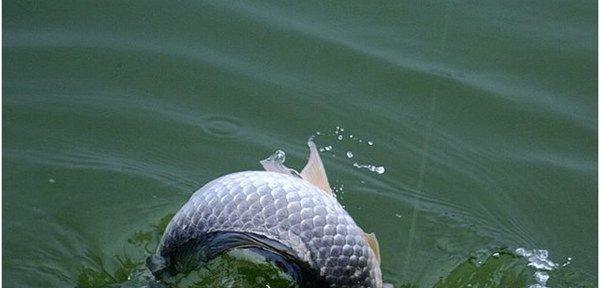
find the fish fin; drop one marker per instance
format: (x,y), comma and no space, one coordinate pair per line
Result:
(372,240)
(314,171)
(274,163)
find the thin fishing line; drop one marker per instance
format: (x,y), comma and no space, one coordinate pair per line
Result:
(427,140)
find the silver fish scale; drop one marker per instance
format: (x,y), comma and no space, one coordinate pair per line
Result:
(282,208)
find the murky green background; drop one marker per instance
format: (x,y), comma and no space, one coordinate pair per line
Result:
(483,113)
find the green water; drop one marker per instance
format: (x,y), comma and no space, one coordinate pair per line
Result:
(484,115)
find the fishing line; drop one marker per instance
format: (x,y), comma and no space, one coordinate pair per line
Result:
(422,166)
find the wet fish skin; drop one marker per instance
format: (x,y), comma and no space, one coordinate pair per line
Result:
(286,209)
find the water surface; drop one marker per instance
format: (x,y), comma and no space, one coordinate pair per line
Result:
(483,114)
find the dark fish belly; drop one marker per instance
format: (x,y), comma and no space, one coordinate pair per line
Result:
(191,255)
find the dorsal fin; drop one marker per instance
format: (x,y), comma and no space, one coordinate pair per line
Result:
(314,171)
(372,240)
(275,164)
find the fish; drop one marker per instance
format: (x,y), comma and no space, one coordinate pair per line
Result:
(291,218)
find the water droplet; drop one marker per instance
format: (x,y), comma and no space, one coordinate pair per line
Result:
(351,136)
(340,137)
(278,156)
(349,154)
(328,148)
(370,143)
(51,181)
(318,132)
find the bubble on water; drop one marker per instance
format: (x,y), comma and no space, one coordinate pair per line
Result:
(496,255)
(321,149)
(328,148)
(351,136)
(340,137)
(370,143)
(51,181)
(349,154)
(318,132)
(372,168)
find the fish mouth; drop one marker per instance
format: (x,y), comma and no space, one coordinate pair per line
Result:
(197,252)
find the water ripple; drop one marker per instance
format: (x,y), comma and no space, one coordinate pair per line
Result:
(222,126)
(170,176)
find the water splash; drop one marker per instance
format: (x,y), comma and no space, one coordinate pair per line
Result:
(538,259)
(339,189)
(377,169)
(339,135)
(541,277)
(275,162)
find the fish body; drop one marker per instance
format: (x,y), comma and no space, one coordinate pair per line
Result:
(299,225)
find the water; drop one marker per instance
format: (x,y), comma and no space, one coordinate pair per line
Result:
(483,114)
